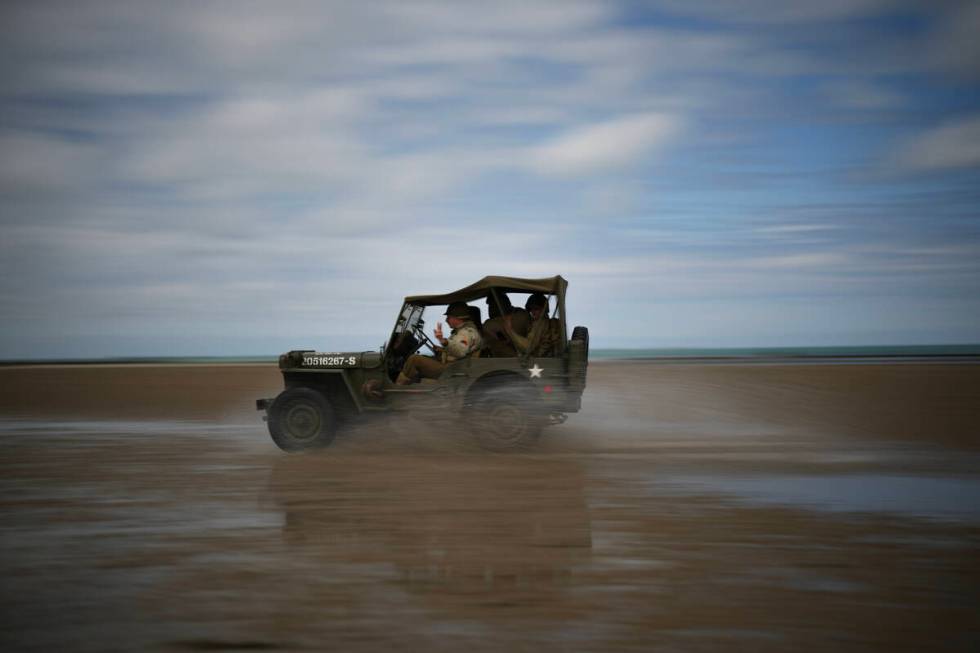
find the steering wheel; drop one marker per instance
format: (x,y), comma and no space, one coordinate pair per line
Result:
(425,339)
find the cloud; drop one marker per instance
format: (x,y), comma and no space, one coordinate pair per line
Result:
(286,141)
(507,16)
(241,166)
(954,45)
(778,11)
(606,146)
(794,229)
(30,162)
(863,95)
(952,145)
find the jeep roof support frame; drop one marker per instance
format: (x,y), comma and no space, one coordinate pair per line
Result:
(561,321)
(496,300)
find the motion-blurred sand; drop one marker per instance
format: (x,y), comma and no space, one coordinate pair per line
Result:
(688,507)
(626,402)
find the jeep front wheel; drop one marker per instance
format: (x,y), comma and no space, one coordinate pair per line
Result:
(300,419)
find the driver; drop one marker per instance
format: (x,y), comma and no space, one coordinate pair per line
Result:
(463,341)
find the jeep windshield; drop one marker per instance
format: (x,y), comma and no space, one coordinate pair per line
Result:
(410,318)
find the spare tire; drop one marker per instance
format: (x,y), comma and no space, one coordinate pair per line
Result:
(581,333)
(578,359)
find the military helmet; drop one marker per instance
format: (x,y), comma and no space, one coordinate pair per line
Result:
(537,300)
(458,309)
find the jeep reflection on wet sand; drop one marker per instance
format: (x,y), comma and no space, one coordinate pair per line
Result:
(501,395)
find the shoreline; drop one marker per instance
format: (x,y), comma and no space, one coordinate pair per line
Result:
(803,359)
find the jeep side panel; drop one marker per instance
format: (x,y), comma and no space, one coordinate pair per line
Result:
(547,379)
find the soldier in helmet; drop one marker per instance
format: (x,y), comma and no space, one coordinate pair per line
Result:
(544,337)
(495,335)
(463,341)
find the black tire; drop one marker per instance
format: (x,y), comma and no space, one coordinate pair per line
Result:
(301,419)
(581,333)
(502,420)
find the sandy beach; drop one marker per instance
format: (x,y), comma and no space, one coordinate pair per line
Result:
(689,506)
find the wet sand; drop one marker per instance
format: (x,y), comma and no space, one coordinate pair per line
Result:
(688,507)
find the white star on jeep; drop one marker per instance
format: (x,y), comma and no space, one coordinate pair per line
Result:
(535,371)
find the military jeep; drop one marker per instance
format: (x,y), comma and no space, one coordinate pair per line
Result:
(502,397)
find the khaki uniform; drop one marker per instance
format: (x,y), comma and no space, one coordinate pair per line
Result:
(495,334)
(418,366)
(496,340)
(462,342)
(544,338)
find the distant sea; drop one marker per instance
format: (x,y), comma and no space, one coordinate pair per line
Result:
(648,353)
(876,351)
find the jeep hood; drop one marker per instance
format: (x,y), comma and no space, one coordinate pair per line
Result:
(308,359)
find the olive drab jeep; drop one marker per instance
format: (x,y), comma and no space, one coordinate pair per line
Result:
(503,393)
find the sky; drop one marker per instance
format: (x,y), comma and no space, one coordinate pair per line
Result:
(245,178)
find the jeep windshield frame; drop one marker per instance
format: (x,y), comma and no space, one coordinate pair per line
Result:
(409,319)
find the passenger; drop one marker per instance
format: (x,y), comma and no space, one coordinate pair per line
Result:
(463,341)
(544,337)
(496,338)
(475,317)
(497,310)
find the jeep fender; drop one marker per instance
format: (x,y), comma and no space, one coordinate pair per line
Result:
(494,381)
(335,385)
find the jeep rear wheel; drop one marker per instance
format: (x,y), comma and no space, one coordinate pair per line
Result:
(300,419)
(502,421)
